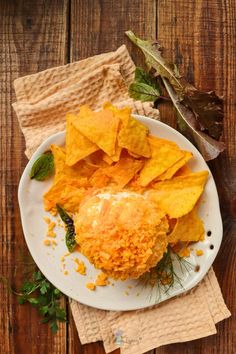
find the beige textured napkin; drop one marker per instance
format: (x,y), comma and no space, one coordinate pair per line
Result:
(43,99)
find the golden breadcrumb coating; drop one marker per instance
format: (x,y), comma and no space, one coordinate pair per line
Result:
(123,234)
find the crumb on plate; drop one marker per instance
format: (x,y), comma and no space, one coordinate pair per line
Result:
(101,279)
(91,286)
(199,253)
(47,242)
(81,269)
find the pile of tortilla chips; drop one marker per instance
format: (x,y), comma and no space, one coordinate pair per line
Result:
(110,149)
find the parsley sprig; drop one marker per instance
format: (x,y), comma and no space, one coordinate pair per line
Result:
(40,293)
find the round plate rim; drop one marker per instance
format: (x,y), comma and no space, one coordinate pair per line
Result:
(25,174)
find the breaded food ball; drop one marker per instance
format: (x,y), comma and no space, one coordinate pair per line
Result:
(123,234)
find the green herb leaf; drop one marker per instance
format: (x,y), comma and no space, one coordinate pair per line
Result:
(43,310)
(43,167)
(41,294)
(144,88)
(143,77)
(143,92)
(54,327)
(70,229)
(154,59)
(33,301)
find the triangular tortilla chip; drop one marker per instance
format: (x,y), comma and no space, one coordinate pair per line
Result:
(179,195)
(183,171)
(133,137)
(164,155)
(188,228)
(174,168)
(65,192)
(81,171)
(99,179)
(101,128)
(77,145)
(59,155)
(124,170)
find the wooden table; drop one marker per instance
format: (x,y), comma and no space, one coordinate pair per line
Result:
(200,36)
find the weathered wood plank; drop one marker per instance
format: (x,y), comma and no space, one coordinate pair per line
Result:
(200,37)
(33,37)
(97,27)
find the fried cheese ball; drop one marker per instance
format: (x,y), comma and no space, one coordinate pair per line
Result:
(123,234)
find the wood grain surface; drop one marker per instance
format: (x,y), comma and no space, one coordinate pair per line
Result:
(200,36)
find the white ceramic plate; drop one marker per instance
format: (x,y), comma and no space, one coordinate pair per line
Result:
(122,295)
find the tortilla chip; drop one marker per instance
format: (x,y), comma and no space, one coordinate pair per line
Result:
(107,159)
(59,155)
(99,127)
(124,170)
(164,155)
(80,172)
(96,160)
(133,137)
(77,145)
(183,171)
(179,195)
(122,113)
(65,192)
(99,179)
(174,168)
(188,228)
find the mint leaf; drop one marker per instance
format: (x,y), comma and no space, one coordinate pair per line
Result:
(43,167)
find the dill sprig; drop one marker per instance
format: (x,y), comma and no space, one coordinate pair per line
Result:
(164,276)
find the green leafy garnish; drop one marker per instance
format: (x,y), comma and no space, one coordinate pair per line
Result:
(163,277)
(41,294)
(70,229)
(43,167)
(144,88)
(201,112)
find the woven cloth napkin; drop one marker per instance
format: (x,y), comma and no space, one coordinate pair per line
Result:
(43,99)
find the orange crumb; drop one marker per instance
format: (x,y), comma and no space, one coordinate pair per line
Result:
(53,211)
(65,272)
(47,242)
(47,220)
(101,279)
(199,253)
(51,233)
(80,267)
(130,286)
(62,259)
(51,225)
(91,286)
(184,252)
(54,243)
